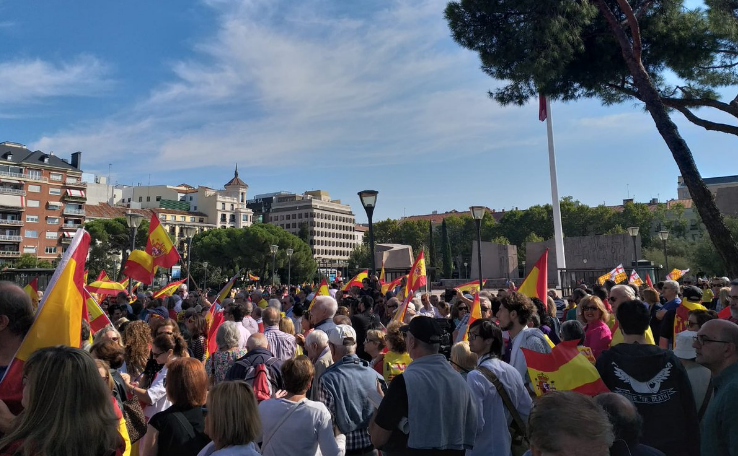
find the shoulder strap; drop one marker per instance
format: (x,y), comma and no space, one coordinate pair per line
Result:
(705,401)
(268,438)
(185,424)
(505,397)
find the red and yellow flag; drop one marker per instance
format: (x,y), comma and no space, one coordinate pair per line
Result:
(357,280)
(106,287)
(58,319)
(140,266)
(103,276)
(416,277)
(564,369)
(97,318)
(253,278)
(635,279)
(648,281)
(169,289)
(676,274)
(215,319)
(322,291)
(471,287)
(682,315)
(226,290)
(402,310)
(535,284)
(32,291)
(381,274)
(474,315)
(159,246)
(392,285)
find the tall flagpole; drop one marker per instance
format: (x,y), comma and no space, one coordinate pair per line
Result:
(558,231)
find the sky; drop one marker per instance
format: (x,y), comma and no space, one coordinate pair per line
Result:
(316,94)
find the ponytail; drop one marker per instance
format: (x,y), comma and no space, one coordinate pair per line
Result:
(175,342)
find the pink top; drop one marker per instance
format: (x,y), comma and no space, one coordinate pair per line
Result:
(597,337)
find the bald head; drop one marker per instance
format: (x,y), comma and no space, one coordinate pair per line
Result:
(623,415)
(257,340)
(717,345)
(270,316)
(16,312)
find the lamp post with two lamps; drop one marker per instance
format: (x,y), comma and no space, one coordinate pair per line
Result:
(289,267)
(133,220)
(664,235)
(369,201)
(274,248)
(189,232)
(478,214)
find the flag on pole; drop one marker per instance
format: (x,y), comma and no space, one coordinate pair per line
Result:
(140,266)
(32,291)
(103,276)
(226,290)
(106,287)
(648,281)
(381,273)
(682,315)
(169,289)
(322,291)
(535,284)
(676,274)
(58,319)
(564,369)
(416,277)
(471,287)
(402,310)
(97,317)
(392,285)
(253,278)
(159,246)
(215,319)
(542,111)
(474,315)
(356,281)
(635,279)
(618,275)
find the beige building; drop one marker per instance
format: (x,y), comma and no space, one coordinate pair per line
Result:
(330,224)
(713,184)
(225,208)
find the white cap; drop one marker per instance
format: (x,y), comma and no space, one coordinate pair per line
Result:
(340,333)
(683,345)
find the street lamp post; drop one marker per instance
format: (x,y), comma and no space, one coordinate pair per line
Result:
(664,235)
(369,201)
(466,269)
(289,267)
(478,214)
(205,282)
(633,231)
(189,232)
(133,220)
(274,249)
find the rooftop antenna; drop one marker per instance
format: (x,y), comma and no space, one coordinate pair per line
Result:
(627,186)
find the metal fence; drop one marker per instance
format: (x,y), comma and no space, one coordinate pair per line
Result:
(22,277)
(572,278)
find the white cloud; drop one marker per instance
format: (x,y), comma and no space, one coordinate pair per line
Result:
(32,80)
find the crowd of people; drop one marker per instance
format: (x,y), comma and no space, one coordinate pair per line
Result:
(365,373)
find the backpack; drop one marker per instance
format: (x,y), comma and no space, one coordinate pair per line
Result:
(261,379)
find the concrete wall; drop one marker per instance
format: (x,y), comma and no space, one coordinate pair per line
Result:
(498,261)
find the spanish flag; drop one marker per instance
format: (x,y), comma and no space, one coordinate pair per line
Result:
(416,278)
(215,319)
(400,313)
(356,281)
(471,287)
(392,285)
(535,284)
(725,313)
(322,291)
(58,319)
(105,287)
(564,369)
(159,246)
(103,276)
(140,266)
(97,318)
(474,315)
(32,291)
(381,274)
(225,291)
(682,315)
(253,278)
(169,289)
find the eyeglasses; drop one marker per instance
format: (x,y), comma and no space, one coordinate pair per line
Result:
(484,309)
(693,324)
(473,336)
(371,341)
(589,308)
(702,339)
(156,355)
(463,308)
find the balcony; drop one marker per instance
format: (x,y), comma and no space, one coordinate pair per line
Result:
(35,178)
(71,226)
(75,183)
(66,240)
(9,254)
(73,211)
(6,222)
(12,191)
(10,238)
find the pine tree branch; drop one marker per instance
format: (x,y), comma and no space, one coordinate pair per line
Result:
(706,124)
(728,108)
(635,29)
(643,9)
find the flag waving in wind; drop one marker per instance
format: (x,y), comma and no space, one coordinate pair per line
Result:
(474,315)
(470,287)
(416,278)
(322,291)
(159,246)
(618,275)
(32,291)
(169,289)
(58,319)
(676,274)
(535,284)
(635,279)
(356,281)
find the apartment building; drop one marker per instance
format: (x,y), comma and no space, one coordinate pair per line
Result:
(42,202)
(331,225)
(227,208)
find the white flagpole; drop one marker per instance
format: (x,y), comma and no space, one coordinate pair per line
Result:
(558,231)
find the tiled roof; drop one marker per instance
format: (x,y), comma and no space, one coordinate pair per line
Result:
(106,211)
(160,210)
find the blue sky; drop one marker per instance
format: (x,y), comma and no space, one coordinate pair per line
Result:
(317,94)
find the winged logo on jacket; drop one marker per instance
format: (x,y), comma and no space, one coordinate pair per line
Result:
(651,386)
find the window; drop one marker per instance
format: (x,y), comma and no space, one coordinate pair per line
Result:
(192,219)
(32,203)
(32,218)
(222,217)
(52,220)
(34,188)
(52,235)
(195,208)
(173,218)
(244,217)
(28,249)
(50,250)
(129,200)
(222,206)
(182,218)
(202,220)
(55,176)
(190,198)
(54,191)
(158,198)
(148,199)
(35,174)
(231,206)
(140,199)
(31,234)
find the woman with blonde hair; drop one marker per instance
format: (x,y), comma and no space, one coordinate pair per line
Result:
(233,422)
(137,341)
(463,360)
(68,410)
(396,359)
(592,313)
(375,346)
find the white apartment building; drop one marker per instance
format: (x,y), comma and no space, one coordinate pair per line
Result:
(330,224)
(225,208)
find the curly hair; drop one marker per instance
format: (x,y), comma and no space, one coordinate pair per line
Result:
(395,339)
(137,339)
(521,304)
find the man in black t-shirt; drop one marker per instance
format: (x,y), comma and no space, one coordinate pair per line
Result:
(362,322)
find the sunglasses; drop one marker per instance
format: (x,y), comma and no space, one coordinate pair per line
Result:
(392,307)
(484,309)
(589,308)
(463,308)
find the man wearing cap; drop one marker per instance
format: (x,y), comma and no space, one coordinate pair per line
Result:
(345,388)
(437,416)
(699,376)
(692,300)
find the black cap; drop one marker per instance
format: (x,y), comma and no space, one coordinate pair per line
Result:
(425,329)
(692,293)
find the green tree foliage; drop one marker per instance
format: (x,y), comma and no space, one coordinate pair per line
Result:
(446,251)
(29,261)
(109,239)
(233,249)
(663,54)
(360,258)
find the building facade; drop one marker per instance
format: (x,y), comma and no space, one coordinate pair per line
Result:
(42,199)
(330,225)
